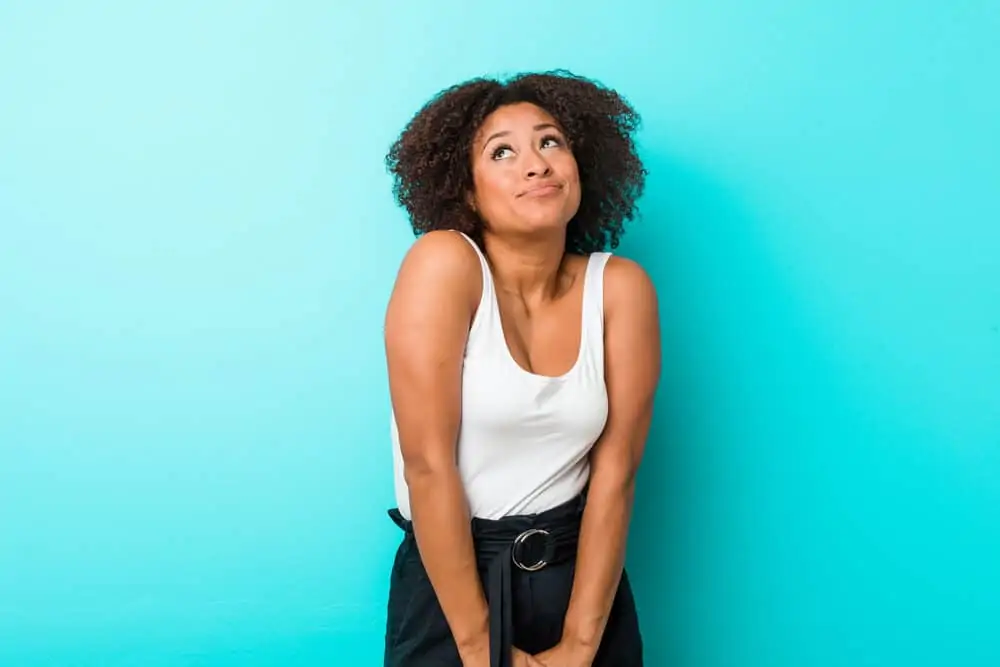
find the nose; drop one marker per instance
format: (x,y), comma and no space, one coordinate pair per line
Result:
(536,165)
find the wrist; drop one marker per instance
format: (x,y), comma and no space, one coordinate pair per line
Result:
(473,648)
(581,642)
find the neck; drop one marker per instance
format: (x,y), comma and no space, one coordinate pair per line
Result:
(529,268)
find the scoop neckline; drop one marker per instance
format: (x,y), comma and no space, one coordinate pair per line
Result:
(577,362)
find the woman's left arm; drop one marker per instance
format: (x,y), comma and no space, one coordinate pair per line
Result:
(632,372)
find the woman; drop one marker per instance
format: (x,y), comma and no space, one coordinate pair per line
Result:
(522,362)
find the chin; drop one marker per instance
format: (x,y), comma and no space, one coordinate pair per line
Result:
(554,219)
(548,225)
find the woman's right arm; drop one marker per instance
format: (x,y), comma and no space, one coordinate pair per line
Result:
(426,328)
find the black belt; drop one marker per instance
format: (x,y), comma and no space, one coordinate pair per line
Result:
(527,542)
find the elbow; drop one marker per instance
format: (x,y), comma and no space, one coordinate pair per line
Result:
(425,472)
(613,476)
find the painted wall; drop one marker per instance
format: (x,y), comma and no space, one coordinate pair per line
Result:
(197,240)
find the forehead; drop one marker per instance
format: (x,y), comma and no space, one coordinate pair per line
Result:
(518,117)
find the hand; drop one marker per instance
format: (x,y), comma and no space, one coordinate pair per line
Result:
(563,654)
(481,658)
(475,656)
(522,659)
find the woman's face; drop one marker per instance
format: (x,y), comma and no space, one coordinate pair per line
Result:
(525,176)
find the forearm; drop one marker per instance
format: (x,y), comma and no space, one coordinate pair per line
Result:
(444,536)
(600,559)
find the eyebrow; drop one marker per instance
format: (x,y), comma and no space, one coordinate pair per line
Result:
(503,133)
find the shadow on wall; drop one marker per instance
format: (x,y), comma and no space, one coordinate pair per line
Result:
(678,210)
(725,314)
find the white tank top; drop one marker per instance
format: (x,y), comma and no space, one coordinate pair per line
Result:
(524,439)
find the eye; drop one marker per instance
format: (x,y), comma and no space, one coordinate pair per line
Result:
(551,141)
(498,152)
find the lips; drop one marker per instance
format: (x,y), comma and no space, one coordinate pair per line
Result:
(542,190)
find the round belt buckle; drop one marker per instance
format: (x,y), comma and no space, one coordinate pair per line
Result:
(522,540)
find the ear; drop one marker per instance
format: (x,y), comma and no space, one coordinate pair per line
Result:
(470,200)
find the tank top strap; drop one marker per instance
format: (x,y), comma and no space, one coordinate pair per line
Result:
(593,305)
(479,253)
(487,302)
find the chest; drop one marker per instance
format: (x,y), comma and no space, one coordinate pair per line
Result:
(502,403)
(545,340)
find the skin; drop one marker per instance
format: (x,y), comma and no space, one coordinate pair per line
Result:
(526,189)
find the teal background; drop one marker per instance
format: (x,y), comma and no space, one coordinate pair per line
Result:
(197,241)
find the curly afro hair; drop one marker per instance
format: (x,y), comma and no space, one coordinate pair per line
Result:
(431,162)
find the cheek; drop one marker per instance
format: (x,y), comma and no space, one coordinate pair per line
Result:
(569,168)
(573,167)
(492,189)
(576,191)
(572,173)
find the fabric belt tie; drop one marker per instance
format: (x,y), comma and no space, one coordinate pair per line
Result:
(526,542)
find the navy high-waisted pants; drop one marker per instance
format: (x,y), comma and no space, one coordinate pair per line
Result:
(526,564)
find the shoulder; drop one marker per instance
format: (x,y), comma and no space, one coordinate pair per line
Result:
(439,264)
(440,258)
(441,251)
(631,332)
(627,286)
